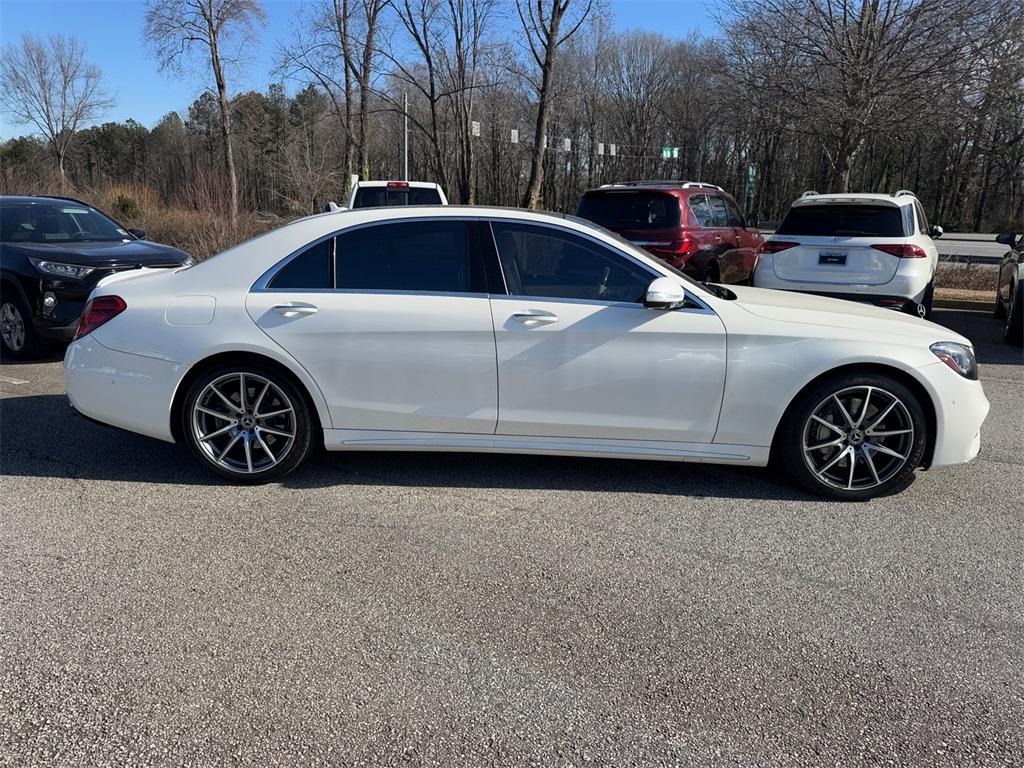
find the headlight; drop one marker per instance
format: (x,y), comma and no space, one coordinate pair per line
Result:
(959,357)
(188,262)
(59,269)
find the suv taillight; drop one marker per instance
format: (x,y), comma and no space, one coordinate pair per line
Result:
(97,312)
(774,246)
(678,249)
(902,251)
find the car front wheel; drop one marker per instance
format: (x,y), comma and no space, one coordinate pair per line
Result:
(247,423)
(1013,333)
(17,336)
(854,437)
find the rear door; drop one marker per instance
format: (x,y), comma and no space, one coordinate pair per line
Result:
(746,241)
(730,260)
(836,243)
(393,322)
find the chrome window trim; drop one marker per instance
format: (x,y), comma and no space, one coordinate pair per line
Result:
(261,284)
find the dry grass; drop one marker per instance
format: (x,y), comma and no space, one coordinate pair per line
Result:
(202,229)
(976,278)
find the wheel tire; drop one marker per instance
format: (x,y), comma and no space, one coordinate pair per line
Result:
(999,311)
(928,300)
(797,426)
(711,274)
(1013,333)
(208,435)
(14,311)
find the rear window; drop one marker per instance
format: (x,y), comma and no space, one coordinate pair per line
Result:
(843,221)
(375,197)
(630,209)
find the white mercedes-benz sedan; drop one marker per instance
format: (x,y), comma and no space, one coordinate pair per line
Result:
(479,329)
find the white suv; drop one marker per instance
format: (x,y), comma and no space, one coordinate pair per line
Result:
(877,249)
(376,194)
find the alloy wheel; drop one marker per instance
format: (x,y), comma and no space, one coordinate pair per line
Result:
(244,423)
(12,327)
(858,438)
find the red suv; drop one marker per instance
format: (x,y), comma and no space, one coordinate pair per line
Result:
(695,227)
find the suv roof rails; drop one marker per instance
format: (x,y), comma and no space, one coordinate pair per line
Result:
(809,193)
(900,192)
(663,183)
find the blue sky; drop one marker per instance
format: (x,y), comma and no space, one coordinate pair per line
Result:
(112,31)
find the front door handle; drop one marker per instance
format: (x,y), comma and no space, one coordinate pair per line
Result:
(294,310)
(535,317)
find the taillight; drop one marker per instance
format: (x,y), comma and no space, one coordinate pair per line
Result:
(774,246)
(901,251)
(680,248)
(398,184)
(97,312)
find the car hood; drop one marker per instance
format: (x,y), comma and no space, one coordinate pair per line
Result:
(119,254)
(794,307)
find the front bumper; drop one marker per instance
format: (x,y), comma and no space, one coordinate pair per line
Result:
(960,410)
(129,391)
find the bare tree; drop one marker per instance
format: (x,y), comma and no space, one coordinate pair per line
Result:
(174,26)
(49,84)
(542,22)
(851,67)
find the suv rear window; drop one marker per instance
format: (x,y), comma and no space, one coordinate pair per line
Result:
(843,221)
(630,209)
(375,197)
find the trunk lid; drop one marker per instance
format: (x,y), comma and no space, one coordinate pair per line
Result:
(842,260)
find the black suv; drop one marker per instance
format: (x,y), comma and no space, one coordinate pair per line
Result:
(53,251)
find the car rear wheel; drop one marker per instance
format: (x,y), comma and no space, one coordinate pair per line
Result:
(17,336)
(1013,333)
(927,301)
(854,437)
(247,423)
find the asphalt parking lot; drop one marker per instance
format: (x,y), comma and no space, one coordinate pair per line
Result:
(461,610)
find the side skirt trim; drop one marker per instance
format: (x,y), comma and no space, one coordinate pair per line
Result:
(360,440)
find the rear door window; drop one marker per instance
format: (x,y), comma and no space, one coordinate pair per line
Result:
(719,213)
(922,221)
(843,221)
(310,270)
(375,197)
(630,209)
(423,256)
(701,210)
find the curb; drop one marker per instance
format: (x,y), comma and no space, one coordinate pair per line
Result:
(981,306)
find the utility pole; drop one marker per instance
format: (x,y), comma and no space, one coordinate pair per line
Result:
(405,137)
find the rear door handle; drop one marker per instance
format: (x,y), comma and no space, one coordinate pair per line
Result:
(535,317)
(294,310)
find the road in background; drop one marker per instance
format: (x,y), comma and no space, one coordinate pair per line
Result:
(483,610)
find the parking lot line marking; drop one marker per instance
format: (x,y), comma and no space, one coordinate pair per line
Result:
(9,380)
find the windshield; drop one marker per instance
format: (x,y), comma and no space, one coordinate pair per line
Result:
(630,209)
(375,197)
(843,221)
(57,221)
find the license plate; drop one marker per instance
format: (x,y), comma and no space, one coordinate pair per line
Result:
(837,258)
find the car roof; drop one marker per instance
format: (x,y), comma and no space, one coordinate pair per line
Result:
(671,187)
(416,184)
(854,198)
(25,199)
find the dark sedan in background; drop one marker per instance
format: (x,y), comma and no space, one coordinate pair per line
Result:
(53,251)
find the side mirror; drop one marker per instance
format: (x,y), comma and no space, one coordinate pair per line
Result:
(664,293)
(1006,238)
(935,232)
(752,221)
(139,233)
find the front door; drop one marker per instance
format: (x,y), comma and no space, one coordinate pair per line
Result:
(393,323)
(580,356)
